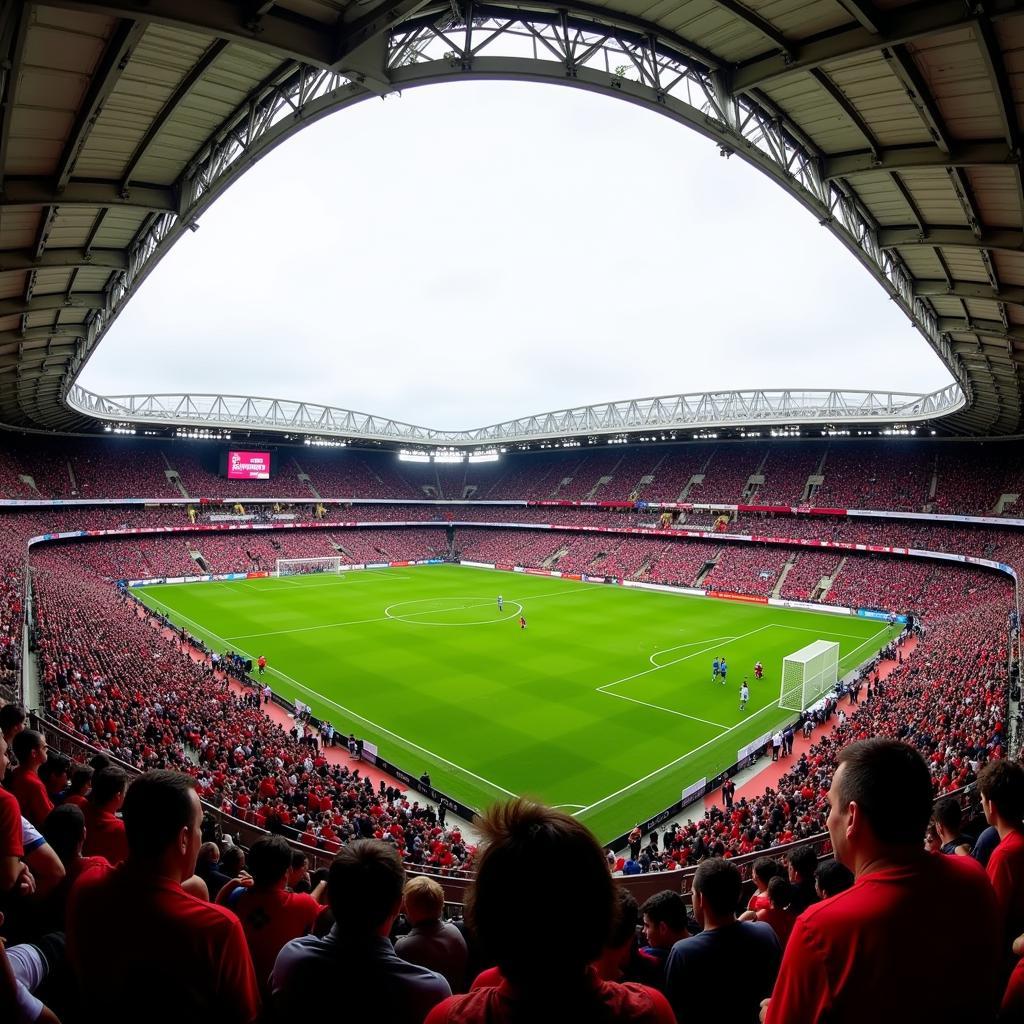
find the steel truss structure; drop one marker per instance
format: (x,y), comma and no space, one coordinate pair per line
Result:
(719,409)
(493,42)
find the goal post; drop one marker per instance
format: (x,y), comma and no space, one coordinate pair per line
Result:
(308,566)
(808,674)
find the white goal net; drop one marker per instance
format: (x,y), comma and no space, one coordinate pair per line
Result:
(307,566)
(808,674)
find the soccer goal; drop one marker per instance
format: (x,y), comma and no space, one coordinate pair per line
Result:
(808,674)
(308,566)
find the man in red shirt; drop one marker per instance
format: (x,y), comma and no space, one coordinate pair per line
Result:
(136,938)
(270,916)
(887,946)
(30,750)
(14,873)
(1001,784)
(104,832)
(535,856)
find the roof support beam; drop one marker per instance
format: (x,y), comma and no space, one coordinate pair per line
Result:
(982,328)
(997,240)
(287,36)
(755,21)
(42,334)
(104,78)
(909,158)
(842,101)
(185,86)
(865,13)
(905,25)
(80,300)
(39,192)
(62,259)
(939,288)
(905,68)
(361,52)
(12,40)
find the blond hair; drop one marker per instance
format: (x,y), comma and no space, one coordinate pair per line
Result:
(424,899)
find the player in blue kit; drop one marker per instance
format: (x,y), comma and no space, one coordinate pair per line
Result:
(714,670)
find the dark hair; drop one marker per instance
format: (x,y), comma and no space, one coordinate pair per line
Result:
(627,913)
(765,869)
(55,764)
(365,885)
(269,859)
(206,854)
(833,878)
(158,806)
(25,743)
(780,892)
(534,856)
(666,907)
(1001,782)
(64,829)
(299,860)
(107,783)
(948,814)
(803,860)
(10,716)
(232,860)
(100,761)
(81,777)
(890,784)
(718,882)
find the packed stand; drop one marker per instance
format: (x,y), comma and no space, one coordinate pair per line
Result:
(727,473)
(747,569)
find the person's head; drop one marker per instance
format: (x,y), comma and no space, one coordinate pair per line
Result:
(534,856)
(163,819)
(208,856)
(621,939)
(4,760)
(800,865)
(108,788)
(664,919)
(29,747)
(54,771)
(299,870)
(1001,784)
(100,761)
(423,900)
(364,887)
(765,869)
(232,861)
(81,780)
(947,818)
(64,830)
(832,878)
(716,892)
(780,892)
(880,802)
(269,859)
(12,720)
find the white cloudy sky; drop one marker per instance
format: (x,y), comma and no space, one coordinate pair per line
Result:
(466,253)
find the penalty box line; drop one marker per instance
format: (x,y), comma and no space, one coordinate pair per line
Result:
(714,739)
(349,711)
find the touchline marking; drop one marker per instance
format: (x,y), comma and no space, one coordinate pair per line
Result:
(349,711)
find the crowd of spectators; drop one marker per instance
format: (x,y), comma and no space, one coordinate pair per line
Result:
(747,569)
(805,577)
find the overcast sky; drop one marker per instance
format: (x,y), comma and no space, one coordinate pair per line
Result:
(466,253)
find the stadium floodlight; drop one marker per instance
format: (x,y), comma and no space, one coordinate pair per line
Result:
(808,674)
(308,566)
(488,456)
(407,456)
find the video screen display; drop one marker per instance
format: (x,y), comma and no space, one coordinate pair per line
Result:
(248,465)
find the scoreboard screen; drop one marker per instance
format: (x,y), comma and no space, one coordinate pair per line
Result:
(236,465)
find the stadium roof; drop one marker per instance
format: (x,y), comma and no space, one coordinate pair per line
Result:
(896,124)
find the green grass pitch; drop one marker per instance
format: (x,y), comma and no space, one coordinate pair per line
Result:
(604,705)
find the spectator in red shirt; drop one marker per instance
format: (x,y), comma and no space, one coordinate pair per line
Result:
(887,945)
(1001,784)
(12,721)
(64,830)
(30,750)
(270,915)
(81,784)
(778,913)
(136,938)
(535,856)
(104,832)
(55,772)
(15,875)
